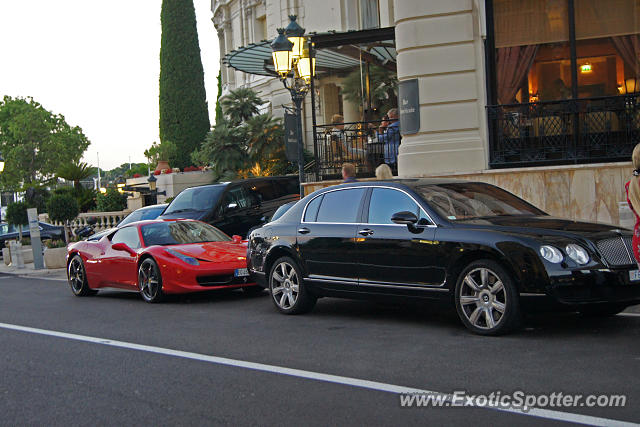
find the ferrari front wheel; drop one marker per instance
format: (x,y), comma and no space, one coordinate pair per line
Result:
(77,277)
(150,281)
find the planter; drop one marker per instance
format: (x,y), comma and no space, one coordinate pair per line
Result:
(27,254)
(162,164)
(6,256)
(55,257)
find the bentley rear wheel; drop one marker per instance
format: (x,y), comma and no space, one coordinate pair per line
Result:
(486,299)
(288,292)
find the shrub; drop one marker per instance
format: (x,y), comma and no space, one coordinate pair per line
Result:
(17,213)
(63,208)
(111,201)
(55,243)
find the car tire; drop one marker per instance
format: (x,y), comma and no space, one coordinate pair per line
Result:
(253,290)
(486,299)
(602,310)
(77,278)
(288,292)
(150,281)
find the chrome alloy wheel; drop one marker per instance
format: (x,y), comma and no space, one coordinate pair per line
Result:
(76,275)
(148,280)
(285,285)
(483,298)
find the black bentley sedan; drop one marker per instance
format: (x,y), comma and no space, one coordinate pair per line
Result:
(475,244)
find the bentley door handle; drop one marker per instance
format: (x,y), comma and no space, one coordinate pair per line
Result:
(303,230)
(365,232)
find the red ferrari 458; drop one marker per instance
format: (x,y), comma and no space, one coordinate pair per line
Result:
(160,257)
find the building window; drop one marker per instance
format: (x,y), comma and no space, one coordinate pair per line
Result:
(369,14)
(533,48)
(563,81)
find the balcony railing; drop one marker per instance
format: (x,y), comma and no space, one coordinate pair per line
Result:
(357,143)
(564,132)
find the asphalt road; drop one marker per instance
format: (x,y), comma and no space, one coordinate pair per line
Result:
(129,362)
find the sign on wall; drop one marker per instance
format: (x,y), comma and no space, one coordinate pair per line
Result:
(409,106)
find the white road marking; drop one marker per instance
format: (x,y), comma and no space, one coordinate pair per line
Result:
(317,376)
(629,314)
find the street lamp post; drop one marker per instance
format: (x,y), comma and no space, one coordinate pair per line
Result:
(296,69)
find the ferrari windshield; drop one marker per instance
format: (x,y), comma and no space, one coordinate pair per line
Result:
(181,232)
(466,200)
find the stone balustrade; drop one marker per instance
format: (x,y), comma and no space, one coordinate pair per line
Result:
(106,220)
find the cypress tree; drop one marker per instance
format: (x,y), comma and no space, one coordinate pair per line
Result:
(184,117)
(219,114)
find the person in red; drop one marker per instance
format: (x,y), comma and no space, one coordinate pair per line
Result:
(633,199)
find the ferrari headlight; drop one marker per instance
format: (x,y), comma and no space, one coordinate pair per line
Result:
(577,253)
(186,258)
(551,254)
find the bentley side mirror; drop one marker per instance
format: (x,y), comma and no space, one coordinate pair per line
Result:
(236,238)
(123,247)
(404,217)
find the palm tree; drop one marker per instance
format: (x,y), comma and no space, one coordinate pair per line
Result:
(225,148)
(76,172)
(265,137)
(240,105)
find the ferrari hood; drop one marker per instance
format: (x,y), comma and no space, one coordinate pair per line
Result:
(214,251)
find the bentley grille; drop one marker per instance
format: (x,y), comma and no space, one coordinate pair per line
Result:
(617,251)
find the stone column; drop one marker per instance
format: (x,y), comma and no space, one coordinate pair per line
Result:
(439,43)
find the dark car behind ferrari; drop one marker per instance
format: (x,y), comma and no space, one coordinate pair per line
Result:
(234,207)
(468,242)
(47,231)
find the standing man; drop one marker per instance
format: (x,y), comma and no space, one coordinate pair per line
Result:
(389,134)
(349,172)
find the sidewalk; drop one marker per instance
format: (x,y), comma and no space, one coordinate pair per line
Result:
(29,271)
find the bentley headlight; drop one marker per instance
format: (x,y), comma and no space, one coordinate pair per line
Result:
(551,254)
(577,253)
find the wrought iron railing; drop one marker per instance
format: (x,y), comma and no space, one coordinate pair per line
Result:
(584,130)
(359,143)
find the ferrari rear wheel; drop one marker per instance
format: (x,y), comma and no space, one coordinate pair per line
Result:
(77,277)
(150,281)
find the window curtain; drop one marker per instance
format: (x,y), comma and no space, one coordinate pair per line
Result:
(513,64)
(629,49)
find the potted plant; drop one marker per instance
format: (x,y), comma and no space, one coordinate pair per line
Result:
(55,253)
(159,154)
(17,216)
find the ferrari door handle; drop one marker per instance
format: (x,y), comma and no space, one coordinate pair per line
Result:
(365,232)
(303,230)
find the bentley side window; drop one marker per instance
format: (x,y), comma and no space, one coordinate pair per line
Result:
(340,206)
(386,201)
(312,210)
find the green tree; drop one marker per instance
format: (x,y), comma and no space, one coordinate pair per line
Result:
(111,201)
(17,215)
(219,113)
(35,142)
(184,117)
(63,208)
(240,105)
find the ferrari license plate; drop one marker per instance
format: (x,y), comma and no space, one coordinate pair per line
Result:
(241,272)
(634,275)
